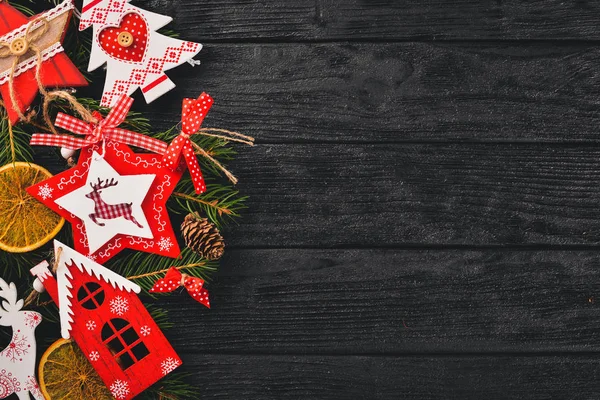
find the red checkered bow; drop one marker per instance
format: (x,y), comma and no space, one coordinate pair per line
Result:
(194,111)
(105,129)
(174,279)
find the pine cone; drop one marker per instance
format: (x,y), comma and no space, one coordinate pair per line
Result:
(203,237)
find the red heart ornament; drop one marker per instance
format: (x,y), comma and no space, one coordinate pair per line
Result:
(128,41)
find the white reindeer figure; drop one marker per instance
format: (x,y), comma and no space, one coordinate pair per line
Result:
(17,360)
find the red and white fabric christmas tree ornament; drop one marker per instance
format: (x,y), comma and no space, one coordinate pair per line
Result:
(27,41)
(175,279)
(136,56)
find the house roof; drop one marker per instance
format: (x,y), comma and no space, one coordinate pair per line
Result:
(70,259)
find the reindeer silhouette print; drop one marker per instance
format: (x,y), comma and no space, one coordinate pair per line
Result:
(102,210)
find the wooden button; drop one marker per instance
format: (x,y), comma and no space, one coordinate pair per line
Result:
(125,39)
(19,47)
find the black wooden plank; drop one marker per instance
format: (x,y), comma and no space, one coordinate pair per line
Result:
(378,302)
(419,378)
(436,194)
(394,92)
(231,20)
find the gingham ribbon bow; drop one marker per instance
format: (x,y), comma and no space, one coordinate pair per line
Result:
(194,111)
(105,129)
(174,279)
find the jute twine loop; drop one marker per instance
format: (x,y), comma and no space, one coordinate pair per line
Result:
(225,135)
(31,35)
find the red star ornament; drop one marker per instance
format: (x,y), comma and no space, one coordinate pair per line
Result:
(125,162)
(56,70)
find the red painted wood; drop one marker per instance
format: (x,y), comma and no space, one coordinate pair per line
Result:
(58,71)
(87,326)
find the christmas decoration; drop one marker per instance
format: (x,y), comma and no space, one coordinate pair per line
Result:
(102,162)
(115,200)
(98,130)
(17,360)
(175,279)
(194,112)
(32,57)
(25,224)
(203,237)
(101,311)
(136,56)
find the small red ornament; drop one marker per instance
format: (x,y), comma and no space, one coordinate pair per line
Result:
(56,69)
(101,311)
(174,279)
(194,111)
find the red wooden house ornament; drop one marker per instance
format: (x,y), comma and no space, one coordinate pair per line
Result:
(101,311)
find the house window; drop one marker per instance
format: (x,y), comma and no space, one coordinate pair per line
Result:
(90,295)
(123,342)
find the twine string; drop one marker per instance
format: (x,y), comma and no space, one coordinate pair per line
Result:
(228,136)
(32,34)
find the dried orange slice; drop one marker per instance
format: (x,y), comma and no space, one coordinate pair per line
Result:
(65,373)
(25,223)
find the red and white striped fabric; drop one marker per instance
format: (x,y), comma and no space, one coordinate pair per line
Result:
(174,279)
(106,129)
(194,111)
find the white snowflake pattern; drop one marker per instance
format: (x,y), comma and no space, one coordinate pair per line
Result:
(169,365)
(119,305)
(17,348)
(45,192)
(94,356)
(164,244)
(119,389)
(91,325)
(145,330)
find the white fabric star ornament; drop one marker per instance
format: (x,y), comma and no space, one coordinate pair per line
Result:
(109,204)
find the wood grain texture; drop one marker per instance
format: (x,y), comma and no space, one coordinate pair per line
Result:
(377,92)
(378,302)
(417,194)
(284,20)
(378,378)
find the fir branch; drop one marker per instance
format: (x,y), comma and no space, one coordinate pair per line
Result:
(20,142)
(145,268)
(220,203)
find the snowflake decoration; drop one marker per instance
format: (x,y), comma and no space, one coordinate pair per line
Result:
(91,325)
(17,348)
(145,330)
(169,365)
(119,389)
(165,244)
(45,192)
(94,356)
(119,305)
(32,319)
(33,387)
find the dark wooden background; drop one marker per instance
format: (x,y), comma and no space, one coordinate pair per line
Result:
(424,214)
